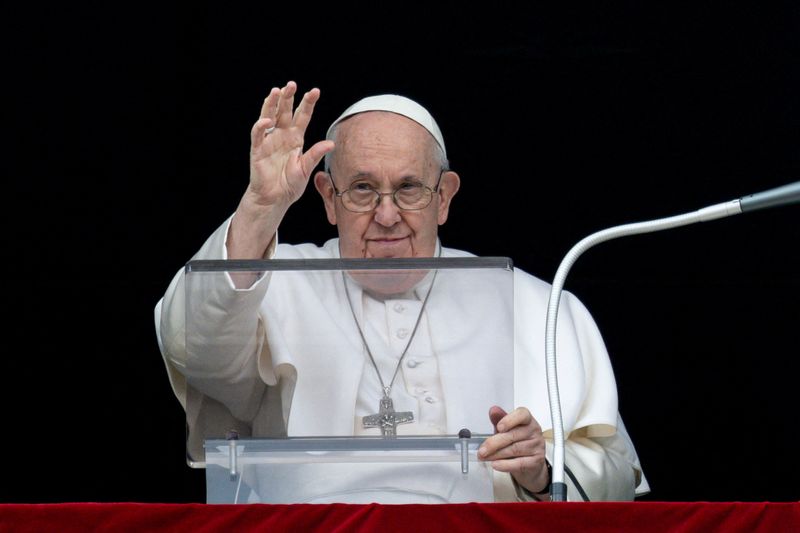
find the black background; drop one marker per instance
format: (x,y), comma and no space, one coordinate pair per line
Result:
(127,146)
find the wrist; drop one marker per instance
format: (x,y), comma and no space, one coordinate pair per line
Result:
(251,232)
(546,489)
(527,494)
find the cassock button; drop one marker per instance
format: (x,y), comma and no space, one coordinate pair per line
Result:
(430,399)
(399,307)
(413,363)
(402,333)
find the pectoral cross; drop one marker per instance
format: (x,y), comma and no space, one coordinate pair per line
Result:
(387,418)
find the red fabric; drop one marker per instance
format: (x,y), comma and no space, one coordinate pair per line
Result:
(599,517)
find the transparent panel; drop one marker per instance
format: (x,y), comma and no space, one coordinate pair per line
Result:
(343,348)
(347,470)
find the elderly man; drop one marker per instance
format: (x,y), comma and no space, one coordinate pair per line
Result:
(387,187)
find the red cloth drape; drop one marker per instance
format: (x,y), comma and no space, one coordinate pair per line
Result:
(493,517)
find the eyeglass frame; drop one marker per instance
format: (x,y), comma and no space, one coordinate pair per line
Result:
(380,195)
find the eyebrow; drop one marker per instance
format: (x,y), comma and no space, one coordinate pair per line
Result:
(369,176)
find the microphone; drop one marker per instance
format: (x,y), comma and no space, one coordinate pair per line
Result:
(785,195)
(463,436)
(779,196)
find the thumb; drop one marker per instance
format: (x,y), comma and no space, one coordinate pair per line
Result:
(496,414)
(314,155)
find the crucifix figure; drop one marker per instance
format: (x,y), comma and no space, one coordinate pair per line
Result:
(387,418)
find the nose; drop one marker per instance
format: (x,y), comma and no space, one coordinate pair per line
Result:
(387,213)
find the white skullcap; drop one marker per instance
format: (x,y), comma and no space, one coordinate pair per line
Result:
(394,103)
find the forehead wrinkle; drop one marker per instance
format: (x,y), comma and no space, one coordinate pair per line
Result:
(385,138)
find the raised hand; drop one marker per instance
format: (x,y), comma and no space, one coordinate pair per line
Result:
(279,170)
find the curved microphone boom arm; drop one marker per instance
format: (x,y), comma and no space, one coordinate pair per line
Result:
(784,195)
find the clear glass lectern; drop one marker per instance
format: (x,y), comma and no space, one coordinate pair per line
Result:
(346,380)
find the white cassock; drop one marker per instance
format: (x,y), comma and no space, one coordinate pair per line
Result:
(279,373)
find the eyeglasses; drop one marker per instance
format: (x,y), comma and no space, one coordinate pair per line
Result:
(361,197)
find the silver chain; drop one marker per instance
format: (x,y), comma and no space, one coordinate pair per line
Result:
(387,390)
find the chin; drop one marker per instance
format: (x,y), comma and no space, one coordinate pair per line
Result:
(388,248)
(387,282)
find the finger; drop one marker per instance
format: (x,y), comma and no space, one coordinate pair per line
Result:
(531,464)
(314,155)
(514,427)
(302,116)
(269,109)
(522,447)
(494,444)
(496,414)
(259,130)
(285,105)
(515,443)
(518,417)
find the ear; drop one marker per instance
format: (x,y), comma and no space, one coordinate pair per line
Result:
(448,188)
(324,185)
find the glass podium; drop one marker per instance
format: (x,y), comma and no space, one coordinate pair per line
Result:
(346,380)
(347,469)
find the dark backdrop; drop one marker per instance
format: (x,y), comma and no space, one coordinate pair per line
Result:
(128,145)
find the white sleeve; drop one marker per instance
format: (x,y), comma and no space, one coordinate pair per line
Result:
(602,468)
(225,334)
(598,450)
